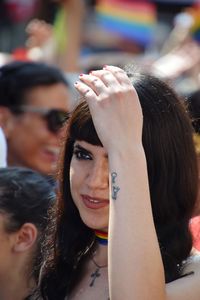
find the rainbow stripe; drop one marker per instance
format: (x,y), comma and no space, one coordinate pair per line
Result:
(133,20)
(195,30)
(187,2)
(101,237)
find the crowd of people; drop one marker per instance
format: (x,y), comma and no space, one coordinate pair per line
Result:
(107,212)
(99,176)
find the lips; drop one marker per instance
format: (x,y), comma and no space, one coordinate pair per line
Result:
(52,153)
(94,203)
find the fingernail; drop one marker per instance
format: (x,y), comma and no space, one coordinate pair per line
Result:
(81,75)
(75,83)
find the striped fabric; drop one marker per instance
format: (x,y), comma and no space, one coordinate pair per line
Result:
(195,12)
(101,237)
(130,19)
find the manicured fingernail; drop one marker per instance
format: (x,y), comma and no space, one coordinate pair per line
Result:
(81,75)
(75,83)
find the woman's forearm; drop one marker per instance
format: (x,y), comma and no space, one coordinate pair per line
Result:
(135,265)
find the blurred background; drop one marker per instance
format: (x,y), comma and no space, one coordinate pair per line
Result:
(79,35)
(76,36)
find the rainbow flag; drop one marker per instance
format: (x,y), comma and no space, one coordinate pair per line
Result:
(195,30)
(130,19)
(187,2)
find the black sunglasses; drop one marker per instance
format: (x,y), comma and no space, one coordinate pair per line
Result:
(55,118)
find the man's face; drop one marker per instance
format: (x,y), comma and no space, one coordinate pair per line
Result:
(30,141)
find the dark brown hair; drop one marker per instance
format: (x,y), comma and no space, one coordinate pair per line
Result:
(172,171)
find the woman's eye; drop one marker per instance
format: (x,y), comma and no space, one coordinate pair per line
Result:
(81,155)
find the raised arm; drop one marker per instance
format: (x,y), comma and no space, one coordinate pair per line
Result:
(135,266)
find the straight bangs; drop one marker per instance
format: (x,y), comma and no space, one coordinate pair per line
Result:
(81,126)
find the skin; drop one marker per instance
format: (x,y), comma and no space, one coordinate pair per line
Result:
(89,178)
(5,242)
(36,146)
(15,251)
(112,98)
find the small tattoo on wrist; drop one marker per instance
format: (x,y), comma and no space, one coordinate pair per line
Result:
(113,176)
(115,189)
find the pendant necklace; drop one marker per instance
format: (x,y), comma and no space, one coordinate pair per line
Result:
(101,238)
(97,272)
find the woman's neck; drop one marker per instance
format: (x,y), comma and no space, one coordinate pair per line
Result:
(17,288)
(101,255)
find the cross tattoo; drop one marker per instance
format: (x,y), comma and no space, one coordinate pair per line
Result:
(94,276)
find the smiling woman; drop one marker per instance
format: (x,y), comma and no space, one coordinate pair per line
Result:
(89,184)
(129,175)
(34,99)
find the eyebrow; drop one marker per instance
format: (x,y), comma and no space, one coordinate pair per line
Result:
(79,147)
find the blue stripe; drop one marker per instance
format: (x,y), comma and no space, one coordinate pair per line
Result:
(102,241)
(134,31)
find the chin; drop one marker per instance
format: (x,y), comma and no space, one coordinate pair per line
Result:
(95,224)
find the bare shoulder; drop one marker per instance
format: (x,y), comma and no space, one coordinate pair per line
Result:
(188,287)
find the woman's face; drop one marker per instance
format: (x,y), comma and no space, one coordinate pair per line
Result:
(36,146)
(89,184)
(6,248)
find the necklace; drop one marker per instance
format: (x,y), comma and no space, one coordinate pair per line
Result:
(101,237)
(97,272)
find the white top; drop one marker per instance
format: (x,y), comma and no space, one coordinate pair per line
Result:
(3,150)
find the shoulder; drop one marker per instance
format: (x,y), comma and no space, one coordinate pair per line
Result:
(187,287)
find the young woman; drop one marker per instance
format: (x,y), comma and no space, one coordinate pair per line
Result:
(129,168)
(25,197)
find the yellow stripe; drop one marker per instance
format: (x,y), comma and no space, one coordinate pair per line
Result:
(101,236)
(140,17)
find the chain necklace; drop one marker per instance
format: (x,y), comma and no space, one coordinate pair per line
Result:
(97,272)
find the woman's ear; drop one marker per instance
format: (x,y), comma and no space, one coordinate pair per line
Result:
(25,238)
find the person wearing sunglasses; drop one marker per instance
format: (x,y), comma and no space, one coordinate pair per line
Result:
(34,104)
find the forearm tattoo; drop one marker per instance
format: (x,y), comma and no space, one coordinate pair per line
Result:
(114,187)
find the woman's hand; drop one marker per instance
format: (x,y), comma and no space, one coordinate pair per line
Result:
(114,106)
